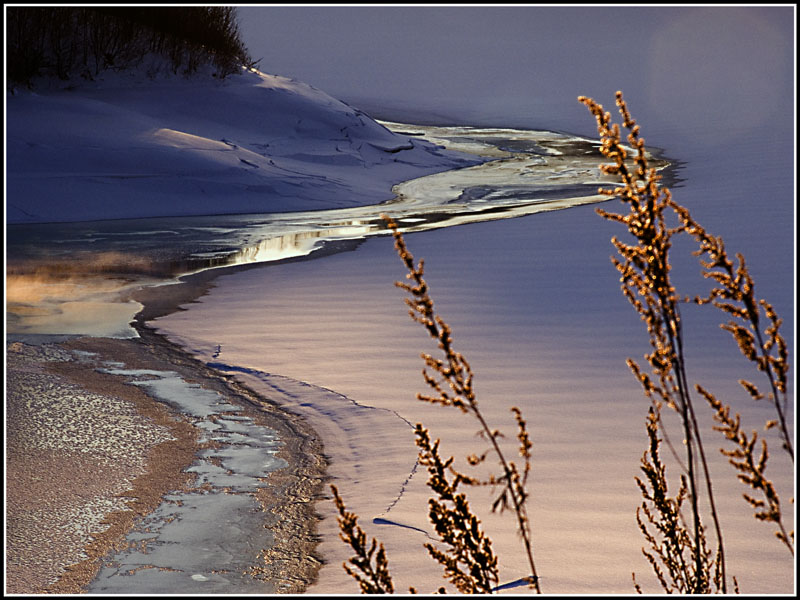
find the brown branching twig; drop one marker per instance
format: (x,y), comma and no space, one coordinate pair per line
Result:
(451,380)
(734,294)
(645,279)
(644,269)
(469,562)
(751,470)
(372,579)
(466,552)
(679,565)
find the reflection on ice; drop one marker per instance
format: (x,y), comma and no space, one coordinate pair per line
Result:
(74,278)
(289,245)
(526,172)
(89,305)
(200,539)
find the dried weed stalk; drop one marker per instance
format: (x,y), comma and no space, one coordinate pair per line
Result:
(468,561)
(734,294)
(644,270)
(680,566)
(644,267)
(372,579)
(751,470)
(466,551)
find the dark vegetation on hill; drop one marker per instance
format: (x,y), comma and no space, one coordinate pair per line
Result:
(66,42)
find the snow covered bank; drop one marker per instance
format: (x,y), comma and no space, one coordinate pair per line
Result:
(127,146)
(133,181)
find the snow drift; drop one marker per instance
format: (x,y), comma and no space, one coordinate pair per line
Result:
(128,146)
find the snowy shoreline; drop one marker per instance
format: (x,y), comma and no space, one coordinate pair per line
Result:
(460,175)
(50,151)
(127,146)
(80,277)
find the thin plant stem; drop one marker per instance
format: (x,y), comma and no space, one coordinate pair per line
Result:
(646,270)
(459,376)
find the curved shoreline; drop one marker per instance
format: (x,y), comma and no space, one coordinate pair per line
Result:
(48,562)
(288,501)
(69,273)
(291,492)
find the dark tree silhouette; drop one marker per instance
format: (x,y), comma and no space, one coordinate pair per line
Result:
(65,42)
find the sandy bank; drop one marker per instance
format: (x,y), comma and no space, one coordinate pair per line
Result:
(88,455)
